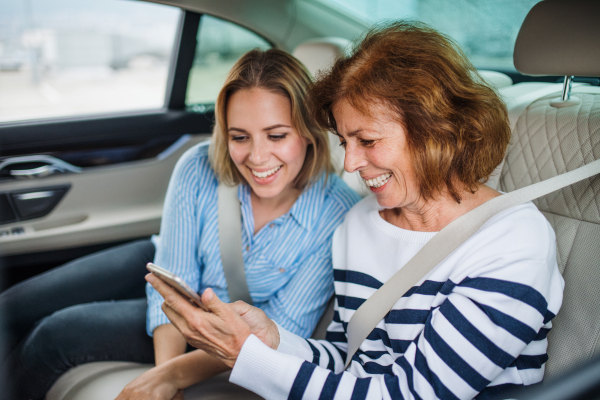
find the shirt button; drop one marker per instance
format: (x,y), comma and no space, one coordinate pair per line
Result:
(247,248)
(282,270)
(272,226)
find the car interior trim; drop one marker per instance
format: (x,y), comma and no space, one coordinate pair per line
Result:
(182,61)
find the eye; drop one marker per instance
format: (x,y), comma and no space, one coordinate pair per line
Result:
(343,143)
(238,138)
(367,143)
(278,137)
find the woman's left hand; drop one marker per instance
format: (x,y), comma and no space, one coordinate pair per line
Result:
(154,384)
(220,332)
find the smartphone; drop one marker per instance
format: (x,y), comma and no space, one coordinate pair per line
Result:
(176,283)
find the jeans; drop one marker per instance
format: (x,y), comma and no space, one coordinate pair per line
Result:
(91,309)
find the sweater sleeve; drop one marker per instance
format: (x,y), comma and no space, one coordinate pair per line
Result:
(176,248)
(476,333)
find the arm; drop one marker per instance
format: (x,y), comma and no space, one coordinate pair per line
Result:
(475,334)
(168,380)
(176,248)
(468,338)
(168,343)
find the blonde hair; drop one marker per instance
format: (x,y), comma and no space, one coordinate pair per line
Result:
(280,73)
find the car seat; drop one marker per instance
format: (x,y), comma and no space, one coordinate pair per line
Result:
(553,135)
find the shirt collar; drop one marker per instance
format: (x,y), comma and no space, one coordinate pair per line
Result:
(305,210)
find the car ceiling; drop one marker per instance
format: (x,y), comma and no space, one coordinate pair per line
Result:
(285,23)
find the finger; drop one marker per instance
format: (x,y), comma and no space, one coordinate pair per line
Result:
(177,319)
(241,307)
(179,395)
(213,303)
(172,298)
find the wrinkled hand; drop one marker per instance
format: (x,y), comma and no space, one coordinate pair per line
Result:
(222,330)
(154,384)
(260,325)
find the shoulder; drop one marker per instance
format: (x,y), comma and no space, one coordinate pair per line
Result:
(194,155)
(194,162)
(523,229)
(357,219)
(362,209)
(339,193)
(516,246)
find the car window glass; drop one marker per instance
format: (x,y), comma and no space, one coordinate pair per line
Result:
(486,30)
(219,45)
(71,57)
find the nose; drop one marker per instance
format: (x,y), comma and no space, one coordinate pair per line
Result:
(354,159)
(259,154)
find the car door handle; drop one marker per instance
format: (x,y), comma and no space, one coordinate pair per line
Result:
(53,166)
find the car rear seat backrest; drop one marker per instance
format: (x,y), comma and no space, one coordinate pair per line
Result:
(319,55)
(550,140)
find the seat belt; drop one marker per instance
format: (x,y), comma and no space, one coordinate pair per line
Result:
(375,308)
(230,243)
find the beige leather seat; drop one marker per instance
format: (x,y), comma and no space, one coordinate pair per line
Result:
(551,137)
(319,55)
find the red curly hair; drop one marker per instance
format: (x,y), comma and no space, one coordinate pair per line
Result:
(456,125)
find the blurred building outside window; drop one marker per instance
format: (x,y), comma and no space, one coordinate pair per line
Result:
(486,30)
(63,58)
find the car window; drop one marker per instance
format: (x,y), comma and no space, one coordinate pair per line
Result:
(219,45)
(486,30)
(63,58)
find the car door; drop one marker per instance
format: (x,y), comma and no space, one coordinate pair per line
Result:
(95,109)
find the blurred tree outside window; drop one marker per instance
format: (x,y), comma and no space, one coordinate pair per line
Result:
(62,58)
(486,30)
(219,45)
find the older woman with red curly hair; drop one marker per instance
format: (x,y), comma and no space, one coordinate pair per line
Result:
(424,132)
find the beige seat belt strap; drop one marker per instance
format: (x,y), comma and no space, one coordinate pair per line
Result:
(375,308)
(230,243)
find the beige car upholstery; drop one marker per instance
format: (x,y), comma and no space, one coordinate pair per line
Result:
(319,55)
(550,139)
(496,79)
(559,38)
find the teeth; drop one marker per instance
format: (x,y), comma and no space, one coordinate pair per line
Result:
(379,181)
(263,175)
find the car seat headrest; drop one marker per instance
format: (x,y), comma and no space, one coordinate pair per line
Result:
(320,54)
(560,37)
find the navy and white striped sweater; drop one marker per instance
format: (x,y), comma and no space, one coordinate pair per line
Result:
(474,326)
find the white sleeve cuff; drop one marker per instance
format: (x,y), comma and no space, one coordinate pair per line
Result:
(265,371)
(293,344)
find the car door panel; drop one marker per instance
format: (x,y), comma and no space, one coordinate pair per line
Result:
(104,204)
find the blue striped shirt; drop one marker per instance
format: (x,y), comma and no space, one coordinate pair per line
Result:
(287,263)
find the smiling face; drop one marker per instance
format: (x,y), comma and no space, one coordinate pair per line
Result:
(376,147)
(264,145)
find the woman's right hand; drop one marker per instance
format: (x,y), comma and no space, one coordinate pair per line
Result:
(154,384)
(260,325)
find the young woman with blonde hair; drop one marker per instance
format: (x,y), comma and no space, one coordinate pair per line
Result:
(264,141)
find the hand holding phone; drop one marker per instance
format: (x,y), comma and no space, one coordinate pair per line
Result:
(176,283)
